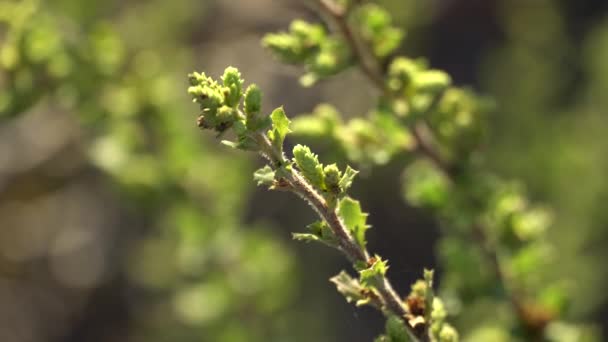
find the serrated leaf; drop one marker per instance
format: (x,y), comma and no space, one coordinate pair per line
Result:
(354,219)
(280,128)
(348,287)
(347,178)
(264,176)
(308,163)
(319,231)
(373,275)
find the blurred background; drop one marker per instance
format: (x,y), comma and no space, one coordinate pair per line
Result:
(121,221)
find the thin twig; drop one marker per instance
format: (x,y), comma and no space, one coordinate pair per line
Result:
(424,145)
(363,57)
(346,243)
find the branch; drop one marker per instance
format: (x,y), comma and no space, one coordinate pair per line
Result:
(343,224)
(353,251)
(366,61)
(425,146)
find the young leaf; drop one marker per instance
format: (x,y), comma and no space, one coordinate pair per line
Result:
(350,288)
(347,178)
(319,231)
(280,128)
(306,237)
(253,101)
(308,163)
(264,176)
(234,83)
(375,25)
(395,330)
(332,179)
(354,219)
(373,275)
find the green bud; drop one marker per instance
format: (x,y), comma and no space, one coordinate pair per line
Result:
(333,57)
(253,100)
(419,288)
(195,77)
(298,45)
(208,94)
(376,28)
(234,86)
(448,334)
(307,33)
(401,72)
(332,179)
(439,312)
(226,114)
(431,81)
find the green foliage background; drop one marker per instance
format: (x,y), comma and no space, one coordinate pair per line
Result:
(119,221)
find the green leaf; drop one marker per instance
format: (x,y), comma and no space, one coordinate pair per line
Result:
(347,178)
(426,186)
(234,83)
(253,101)
(322,122)
(264,176)
(354,219)
(374,274)
(375,25)
(306,237)
(319,231)
(280,128)
(395,330)
(280,122)
(298,45)
(308,163)
(349,287)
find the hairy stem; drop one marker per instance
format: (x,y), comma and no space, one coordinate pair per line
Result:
(425,145)
(346,243)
